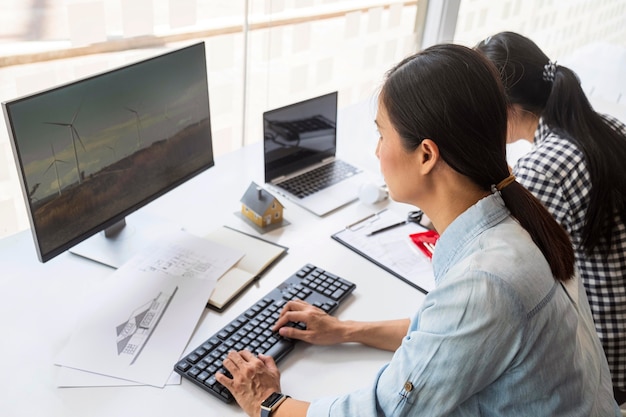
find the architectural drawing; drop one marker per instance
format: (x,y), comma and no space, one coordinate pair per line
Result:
(133,334)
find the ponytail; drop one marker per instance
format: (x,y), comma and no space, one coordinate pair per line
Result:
(568,111)
(549,236)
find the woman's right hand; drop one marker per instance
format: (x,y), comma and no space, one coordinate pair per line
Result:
(321,328)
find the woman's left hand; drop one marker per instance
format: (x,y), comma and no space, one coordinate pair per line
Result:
(254,379)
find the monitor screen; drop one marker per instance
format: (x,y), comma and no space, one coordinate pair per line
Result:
(93,151)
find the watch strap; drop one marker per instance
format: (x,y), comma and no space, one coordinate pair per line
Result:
(268,409)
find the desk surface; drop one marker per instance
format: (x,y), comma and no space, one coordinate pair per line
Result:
(38,305)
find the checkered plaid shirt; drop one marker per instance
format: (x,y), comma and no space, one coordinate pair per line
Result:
(555,172)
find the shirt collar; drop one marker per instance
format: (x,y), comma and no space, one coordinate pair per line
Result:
(486,213)
(542,131)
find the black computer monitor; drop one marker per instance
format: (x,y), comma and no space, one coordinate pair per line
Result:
(91,152)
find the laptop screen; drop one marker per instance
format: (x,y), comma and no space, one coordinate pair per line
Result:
(299,135)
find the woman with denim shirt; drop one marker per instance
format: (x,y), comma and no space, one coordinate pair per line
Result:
(507,330)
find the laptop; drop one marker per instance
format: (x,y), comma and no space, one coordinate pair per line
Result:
(299,144)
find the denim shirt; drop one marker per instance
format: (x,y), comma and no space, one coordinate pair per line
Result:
(498,336)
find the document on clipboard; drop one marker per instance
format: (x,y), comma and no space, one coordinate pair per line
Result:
(390,249)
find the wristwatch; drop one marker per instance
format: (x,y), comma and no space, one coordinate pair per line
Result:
(271,403)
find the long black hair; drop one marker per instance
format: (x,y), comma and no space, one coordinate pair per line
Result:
(564,107)
(452,95)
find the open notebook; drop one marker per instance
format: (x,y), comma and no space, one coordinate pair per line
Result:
(259,256)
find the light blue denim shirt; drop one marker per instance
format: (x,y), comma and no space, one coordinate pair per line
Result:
(497,337)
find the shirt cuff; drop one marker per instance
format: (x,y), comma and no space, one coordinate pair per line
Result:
(320,407)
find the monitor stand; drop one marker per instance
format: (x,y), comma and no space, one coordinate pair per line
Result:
(117,244)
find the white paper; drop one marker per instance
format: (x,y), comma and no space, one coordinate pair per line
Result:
(137,324)
(71,378)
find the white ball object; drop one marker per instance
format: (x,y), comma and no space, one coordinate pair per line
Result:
(372,194)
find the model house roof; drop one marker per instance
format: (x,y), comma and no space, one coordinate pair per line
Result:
(257,199)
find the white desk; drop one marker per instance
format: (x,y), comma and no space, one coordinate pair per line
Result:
(39,301)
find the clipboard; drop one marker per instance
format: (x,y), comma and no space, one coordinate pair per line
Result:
(392,249)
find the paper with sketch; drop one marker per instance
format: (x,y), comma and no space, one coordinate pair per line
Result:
(137,324)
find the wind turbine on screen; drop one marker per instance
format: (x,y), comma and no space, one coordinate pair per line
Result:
(33,190)
(74,135)
(56,168)
(166,115)
(112,150)
(137,124)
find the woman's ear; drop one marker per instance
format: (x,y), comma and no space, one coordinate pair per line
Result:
(428,155)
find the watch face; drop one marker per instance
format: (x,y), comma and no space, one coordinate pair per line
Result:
(271,400)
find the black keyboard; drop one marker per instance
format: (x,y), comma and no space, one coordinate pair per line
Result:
(251,330)
(319,178)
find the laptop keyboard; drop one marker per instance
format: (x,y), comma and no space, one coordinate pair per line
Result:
(319,178)
(251,330)
(310,124)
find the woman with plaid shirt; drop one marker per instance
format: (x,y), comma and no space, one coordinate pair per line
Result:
(577,168)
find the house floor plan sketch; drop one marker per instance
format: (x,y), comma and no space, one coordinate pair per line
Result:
(135,332)
(137,322)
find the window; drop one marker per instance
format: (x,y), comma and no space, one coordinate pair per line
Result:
(262,54)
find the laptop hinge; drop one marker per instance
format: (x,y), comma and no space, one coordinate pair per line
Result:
(278,179)
(330,158)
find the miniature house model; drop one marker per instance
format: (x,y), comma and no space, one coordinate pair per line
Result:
(261,207)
